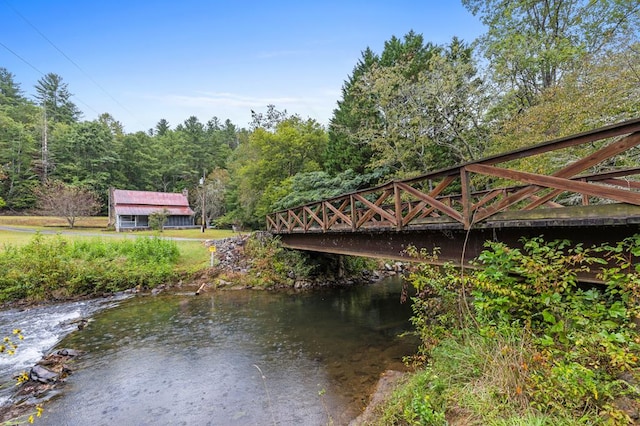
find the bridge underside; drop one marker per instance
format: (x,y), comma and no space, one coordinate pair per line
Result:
(452,242)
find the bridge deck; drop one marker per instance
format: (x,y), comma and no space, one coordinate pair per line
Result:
(585,200)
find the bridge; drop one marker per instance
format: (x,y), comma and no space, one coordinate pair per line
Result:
(592,197)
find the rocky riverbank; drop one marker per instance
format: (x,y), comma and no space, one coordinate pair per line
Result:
(231,267)
(41,383)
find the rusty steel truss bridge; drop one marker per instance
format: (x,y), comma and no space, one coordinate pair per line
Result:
(588,199)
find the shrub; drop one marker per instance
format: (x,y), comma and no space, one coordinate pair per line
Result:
(522,338)
(272,264)
(54,268)
(158,219)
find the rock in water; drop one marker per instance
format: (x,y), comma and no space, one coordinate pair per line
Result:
(40,374)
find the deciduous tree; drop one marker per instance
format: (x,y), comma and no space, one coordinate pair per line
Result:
(532,45)
(356,113)
(429,119)
(267,158)
(56,198)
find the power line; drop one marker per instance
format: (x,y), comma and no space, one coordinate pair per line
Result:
(21,58)
(42,74)
(72,62)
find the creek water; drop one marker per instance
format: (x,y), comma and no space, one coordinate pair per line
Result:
(234,358)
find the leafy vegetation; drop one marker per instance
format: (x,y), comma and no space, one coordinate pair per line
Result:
(158,219)
(534,350)
(50,268)
(9,347)
(543,70)
(522,342)
(275,266)
(56,198)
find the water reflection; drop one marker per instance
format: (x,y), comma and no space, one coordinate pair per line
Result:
(235,358)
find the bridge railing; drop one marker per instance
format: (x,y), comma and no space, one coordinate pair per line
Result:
(447,196)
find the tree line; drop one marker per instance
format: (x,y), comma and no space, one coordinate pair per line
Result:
(543,69)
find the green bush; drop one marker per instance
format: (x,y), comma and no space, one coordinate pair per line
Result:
(521,338)
(54,268)
(158,219)
(272,264)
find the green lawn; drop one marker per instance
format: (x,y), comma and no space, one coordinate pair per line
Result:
(99,224)
(193,254)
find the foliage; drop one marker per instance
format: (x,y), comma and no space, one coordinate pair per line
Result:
(267,159)
(158,219)
(531,46)
(608,84)
(213,191)
(54,268)
(428,117)
(84,154)
(304,188)
(58,199)
(54,96)
(272,265)
(522,338)
(351,145)
(9,347)
(344,151)
(18,118)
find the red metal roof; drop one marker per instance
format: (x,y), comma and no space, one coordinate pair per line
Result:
(149,198)
(142,203)
(147,210)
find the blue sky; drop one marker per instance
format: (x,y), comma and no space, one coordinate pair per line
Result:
(142,61)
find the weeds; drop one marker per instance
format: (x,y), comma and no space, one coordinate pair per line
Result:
(528,342)
(272,264)
(9,348)
(55,268)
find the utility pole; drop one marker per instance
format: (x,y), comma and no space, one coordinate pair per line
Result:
(45,146)
(204,223)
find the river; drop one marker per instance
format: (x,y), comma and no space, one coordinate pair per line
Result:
(231,357)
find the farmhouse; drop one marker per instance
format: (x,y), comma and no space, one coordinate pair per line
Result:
(130,210)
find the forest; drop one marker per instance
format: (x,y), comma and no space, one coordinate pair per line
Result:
(543,70)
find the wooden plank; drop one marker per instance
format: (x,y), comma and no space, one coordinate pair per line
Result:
(413,212)
(559,183)
(599,156)
(545,200)
(337,214)
(619,129)
(354,213)
(398,207)
(375,208)
(467,220)
(454,214)
(325,217)
(488,197)
(567,172)
(271,224)
(282,221)
(313,215)
(296,218)
(630,184)
(418,208)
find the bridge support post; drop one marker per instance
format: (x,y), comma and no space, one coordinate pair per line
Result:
(466,200)
(398,206)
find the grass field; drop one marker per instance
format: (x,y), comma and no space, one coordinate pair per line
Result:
(99,224)
(193,254)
